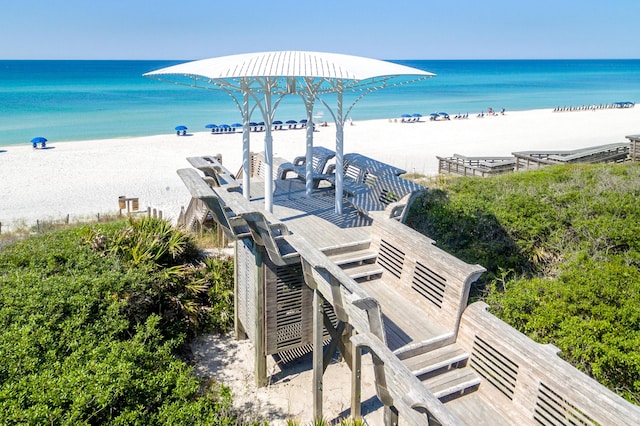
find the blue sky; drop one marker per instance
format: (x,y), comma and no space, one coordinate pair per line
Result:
(408,29)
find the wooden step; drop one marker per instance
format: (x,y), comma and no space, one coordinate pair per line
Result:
(454,381)
(359,256)
(445,357)
(364,271)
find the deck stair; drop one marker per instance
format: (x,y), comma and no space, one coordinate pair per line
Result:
(452,383)
(444,371)
(358,263)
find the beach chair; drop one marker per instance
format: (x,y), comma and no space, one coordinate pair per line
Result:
(320,157)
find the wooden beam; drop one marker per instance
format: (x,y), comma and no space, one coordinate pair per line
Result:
(259,341)
(336,335)
(317,354)
(356,381)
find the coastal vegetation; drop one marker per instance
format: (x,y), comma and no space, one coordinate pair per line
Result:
(562,250)
(94,324)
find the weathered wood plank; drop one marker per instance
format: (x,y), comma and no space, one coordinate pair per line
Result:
(535,370)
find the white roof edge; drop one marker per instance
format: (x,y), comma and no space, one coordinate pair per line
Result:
(292,64)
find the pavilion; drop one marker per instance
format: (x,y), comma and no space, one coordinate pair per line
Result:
(262,80)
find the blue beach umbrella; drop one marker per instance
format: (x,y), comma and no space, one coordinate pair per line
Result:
(277,122)
(39,140)
(416,115)
(291,122)
(181,128)
(406,116)
(236,125)
(210,126)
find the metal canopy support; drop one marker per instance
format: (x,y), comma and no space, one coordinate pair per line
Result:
(246,142)
(268,153)
(308,98)
(339,148)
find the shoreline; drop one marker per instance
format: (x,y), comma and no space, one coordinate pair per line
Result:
(83,178)
(561,108)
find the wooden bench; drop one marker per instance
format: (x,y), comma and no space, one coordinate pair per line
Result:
(423,290)
(371,185)
(271,237)
(319,158)
(616,152)
(382,191)
(281,167)
(475,166)
(528,383)
(212,167)
(233,225)
(435,282)
(239,221)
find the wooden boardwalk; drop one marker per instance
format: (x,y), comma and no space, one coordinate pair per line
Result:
(307,278)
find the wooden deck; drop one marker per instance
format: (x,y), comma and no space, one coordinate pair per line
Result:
(313,216)
(406,302)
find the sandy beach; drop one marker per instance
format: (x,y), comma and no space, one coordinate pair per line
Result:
(82,179)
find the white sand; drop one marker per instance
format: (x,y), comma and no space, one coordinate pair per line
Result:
(289,394)
(85,178)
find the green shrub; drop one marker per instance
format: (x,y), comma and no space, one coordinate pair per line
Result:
(91,319)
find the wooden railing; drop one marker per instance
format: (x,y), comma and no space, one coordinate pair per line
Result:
(530,383)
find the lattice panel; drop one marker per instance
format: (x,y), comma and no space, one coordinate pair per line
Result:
(288,308)
(429,284)
(391,258)
(496,368)
(553,409)
(246,288)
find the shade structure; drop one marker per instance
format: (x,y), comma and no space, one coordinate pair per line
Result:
(264,78)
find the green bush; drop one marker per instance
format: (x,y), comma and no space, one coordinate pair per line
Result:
(562,250)
(91,320)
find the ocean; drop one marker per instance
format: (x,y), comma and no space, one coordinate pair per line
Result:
(78,100)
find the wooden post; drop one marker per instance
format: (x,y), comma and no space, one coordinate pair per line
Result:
(390,416)
(356,382)
(317,354)
(259,334)
(239,332)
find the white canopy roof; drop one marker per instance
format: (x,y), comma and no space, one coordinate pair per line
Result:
(357,72)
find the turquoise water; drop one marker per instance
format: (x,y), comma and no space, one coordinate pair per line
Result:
(75,100)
